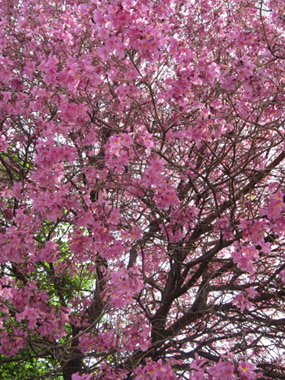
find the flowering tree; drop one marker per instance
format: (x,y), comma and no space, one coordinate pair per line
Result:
(142,212)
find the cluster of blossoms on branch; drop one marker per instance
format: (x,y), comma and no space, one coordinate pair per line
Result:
(142,189)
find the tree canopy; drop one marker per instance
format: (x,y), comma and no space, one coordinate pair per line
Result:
(142,189)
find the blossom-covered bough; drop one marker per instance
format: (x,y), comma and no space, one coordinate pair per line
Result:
(142,189)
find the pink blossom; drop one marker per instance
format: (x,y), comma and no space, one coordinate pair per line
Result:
(246,369)
(223,371)
(147,140)
(245,258)
(242,302)
(31,314)
(251,292)
(282,275)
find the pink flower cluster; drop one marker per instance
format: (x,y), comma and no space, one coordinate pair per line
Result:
(223,370)
(155,371)
(245,257)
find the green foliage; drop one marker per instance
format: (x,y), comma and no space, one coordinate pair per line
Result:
(28,368)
